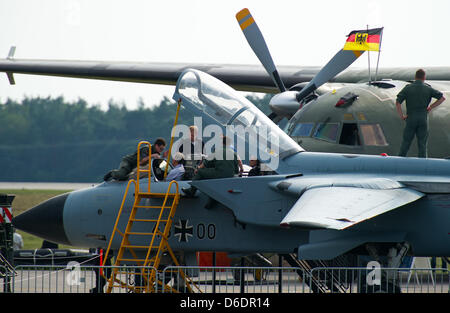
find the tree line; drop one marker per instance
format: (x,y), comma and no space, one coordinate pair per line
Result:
(51,139)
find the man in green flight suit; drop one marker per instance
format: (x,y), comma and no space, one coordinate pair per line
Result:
(129,162)
(418,96)
(219,166)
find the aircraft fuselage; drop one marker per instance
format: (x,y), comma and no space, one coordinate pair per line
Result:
(368,125)
(85,218)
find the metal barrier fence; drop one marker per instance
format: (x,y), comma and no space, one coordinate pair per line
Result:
(388,280)
(241,279)
(73,278)
(5,279)
(76,278)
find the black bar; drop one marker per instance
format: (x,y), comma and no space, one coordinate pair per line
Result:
(242,275)
(280,274)
(214,272)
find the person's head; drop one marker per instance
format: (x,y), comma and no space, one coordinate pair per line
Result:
(178,158)
(226,141)
(254,161)
(194,131)
(420,75)
(159,145)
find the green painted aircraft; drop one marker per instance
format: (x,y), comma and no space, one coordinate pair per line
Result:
(367,122)
(353,115)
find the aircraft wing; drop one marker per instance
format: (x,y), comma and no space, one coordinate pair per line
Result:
(342,207)
(341,202)
(241,77)
(316,201)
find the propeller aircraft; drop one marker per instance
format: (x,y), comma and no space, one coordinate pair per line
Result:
(358,117)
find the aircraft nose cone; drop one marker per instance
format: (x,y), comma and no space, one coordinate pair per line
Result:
(45,220)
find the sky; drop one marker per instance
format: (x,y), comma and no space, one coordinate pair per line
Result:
(206,31)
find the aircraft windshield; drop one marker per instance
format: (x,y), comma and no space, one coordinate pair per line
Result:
(223,106)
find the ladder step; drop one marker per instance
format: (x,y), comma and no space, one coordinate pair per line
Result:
(152,207)
(156,195)
(147,220)
(138,247)
(142,234)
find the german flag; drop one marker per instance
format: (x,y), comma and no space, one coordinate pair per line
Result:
(364,40)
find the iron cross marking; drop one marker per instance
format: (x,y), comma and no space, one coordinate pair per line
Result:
(183,230)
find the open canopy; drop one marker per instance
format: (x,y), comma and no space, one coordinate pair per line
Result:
(221,105)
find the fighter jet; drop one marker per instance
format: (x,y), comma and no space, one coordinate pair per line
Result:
(317,206)
(330,108)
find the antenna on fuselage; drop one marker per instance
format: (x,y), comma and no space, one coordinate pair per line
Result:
(368,57)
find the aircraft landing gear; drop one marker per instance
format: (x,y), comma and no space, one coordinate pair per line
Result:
(388,277)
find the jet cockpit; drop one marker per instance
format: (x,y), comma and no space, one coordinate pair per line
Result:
(221,105)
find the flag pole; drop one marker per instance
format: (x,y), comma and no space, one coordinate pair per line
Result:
(379,52)
(368,56)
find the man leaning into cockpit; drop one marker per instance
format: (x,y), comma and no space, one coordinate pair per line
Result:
(129,162)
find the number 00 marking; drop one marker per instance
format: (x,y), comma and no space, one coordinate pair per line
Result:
(203,231)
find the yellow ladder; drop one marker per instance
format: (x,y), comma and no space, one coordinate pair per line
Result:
(157,230)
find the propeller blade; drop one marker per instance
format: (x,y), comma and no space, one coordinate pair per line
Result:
(341,60)
(256,41)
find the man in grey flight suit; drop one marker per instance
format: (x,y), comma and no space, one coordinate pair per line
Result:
(418,96)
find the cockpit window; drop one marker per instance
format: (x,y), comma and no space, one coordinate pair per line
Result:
(373,135)
(228,105)
(350,135)
(220,104)
(302,130)
(327,131)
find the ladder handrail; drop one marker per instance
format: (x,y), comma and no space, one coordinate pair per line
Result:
(174,203)
(118,218)
(163,244)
